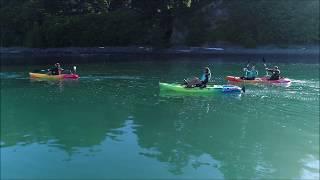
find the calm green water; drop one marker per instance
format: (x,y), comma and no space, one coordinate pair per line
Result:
(113,123)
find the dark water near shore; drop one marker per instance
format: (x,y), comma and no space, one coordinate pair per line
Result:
(114,123)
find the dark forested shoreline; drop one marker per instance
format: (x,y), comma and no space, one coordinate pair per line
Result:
(18,55)
(83,51)
(161,24)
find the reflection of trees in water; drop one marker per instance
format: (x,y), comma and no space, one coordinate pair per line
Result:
(174,153)
(181,130)
(82,129)
(66,120)
(175,130)
(170,134)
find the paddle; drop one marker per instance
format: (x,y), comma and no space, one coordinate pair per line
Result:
(243,87)
(64,70)
(74,71)
(264,63)
(39,71)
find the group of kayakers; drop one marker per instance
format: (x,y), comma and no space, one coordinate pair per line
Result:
(250,73)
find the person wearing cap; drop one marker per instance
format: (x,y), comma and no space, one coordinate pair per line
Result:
(56,70)
(275,73)
(250,74)
(199,82)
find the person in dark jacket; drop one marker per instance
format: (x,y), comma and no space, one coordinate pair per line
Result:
(275,73)
(56,70)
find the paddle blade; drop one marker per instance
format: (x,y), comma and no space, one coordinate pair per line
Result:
(243,89)
(39,71)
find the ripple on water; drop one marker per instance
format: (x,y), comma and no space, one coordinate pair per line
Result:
(311,167)
(107,77)
(11,75)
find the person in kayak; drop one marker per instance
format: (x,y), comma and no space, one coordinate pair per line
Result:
(275,73)
(250,74)
(199,82)
(56,70)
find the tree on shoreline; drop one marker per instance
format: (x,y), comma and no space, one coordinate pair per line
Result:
(81,23)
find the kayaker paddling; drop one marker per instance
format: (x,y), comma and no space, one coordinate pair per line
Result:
(250,74)
(275,73)
(56,70)
(199,82)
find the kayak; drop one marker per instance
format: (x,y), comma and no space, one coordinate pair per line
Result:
(258,80)
(210,89)
(47,76)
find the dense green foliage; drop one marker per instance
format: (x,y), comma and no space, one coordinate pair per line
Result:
(281,22)
(61,23)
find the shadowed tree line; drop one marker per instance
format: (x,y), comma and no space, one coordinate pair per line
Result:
(85,23)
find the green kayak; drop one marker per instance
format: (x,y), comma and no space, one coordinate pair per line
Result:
(207,90)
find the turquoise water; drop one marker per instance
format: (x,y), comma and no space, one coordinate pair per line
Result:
(114,123)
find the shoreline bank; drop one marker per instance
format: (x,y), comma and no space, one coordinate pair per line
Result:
(309,52)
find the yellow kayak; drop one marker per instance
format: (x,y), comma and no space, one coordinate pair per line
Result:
(47,76)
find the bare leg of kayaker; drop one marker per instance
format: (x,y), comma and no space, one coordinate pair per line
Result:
(197,82)
(192,82)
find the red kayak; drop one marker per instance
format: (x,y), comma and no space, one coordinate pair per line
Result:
(258,80)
